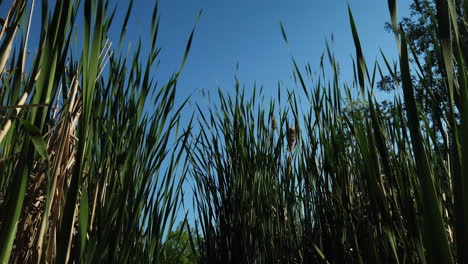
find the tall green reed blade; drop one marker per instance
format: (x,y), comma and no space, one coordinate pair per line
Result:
(461,203)
(448,19)
(10,227)
(434,235)
(125,22)
(393,7)
(93,11)
(361,63)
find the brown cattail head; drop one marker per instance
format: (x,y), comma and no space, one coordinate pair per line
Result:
(289,165)
(274,125)
(291,138)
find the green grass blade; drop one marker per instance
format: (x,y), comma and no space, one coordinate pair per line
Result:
(435,237)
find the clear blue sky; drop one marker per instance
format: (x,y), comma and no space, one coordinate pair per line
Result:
(248,32)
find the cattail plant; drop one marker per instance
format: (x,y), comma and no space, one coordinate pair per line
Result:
(274,123)
(81,159)
(291,136)
(362,186)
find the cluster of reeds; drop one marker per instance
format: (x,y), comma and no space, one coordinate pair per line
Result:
(324,180)
(87,174)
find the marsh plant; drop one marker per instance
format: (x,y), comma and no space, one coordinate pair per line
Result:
(93,155)
(333,178)
(87,173)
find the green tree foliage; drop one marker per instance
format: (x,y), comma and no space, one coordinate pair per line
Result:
(428,74)
(177,247)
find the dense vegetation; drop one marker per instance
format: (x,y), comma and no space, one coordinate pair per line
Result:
(86,174)
(316,176)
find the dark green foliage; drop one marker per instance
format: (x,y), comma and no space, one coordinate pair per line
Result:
(177,247)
